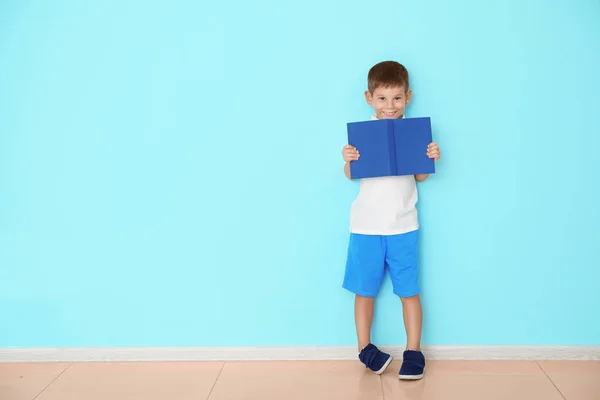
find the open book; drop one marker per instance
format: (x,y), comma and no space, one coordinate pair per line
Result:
(390,147)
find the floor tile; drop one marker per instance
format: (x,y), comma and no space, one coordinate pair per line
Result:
(24,381)
(472,380)
(576,380)
(148,381)
(297,380)
(484,367)
(331,380)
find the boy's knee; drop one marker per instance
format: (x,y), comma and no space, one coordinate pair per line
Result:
(365,299)
(410,298)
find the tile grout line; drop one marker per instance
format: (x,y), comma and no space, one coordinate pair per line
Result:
(551,381)
(53,380)
(381,385)
(215,382)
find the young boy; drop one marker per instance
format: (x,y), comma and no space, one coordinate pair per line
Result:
(384,232)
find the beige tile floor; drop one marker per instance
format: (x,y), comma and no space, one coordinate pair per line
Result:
(331,380)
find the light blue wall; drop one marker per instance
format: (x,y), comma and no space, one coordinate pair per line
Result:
(171,172)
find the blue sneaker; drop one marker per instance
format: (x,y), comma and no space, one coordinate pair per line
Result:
(375,360)
(413,365)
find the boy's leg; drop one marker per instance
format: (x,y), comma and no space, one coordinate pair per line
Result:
(402,261)
(413,321)
(365,269)
(363,317)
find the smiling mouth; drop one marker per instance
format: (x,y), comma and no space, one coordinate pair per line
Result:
(389,114)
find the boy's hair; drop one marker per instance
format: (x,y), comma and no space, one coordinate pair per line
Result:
(387,74)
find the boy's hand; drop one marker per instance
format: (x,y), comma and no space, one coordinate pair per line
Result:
(433,151)
(350,153)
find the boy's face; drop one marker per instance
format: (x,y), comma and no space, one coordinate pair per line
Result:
(389,102)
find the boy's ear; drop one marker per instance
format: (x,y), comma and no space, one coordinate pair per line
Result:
(408,96)
(368,97)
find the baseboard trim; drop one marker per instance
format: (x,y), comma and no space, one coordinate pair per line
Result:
(125,354)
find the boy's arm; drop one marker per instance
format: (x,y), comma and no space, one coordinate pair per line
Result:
(347,170)
(433,151)
(421,177)
(350,154)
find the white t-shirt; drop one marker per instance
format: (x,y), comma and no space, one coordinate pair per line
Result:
(385,206)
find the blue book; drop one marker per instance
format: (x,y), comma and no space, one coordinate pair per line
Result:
(391,147)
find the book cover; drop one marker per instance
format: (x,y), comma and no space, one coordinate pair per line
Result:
(391,147)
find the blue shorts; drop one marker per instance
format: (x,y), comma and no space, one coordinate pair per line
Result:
(370,255)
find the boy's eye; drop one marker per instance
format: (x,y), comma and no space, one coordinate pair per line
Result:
(382,98)
(398,98)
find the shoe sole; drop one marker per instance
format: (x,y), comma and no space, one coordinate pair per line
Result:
(384,366)
(412,377)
